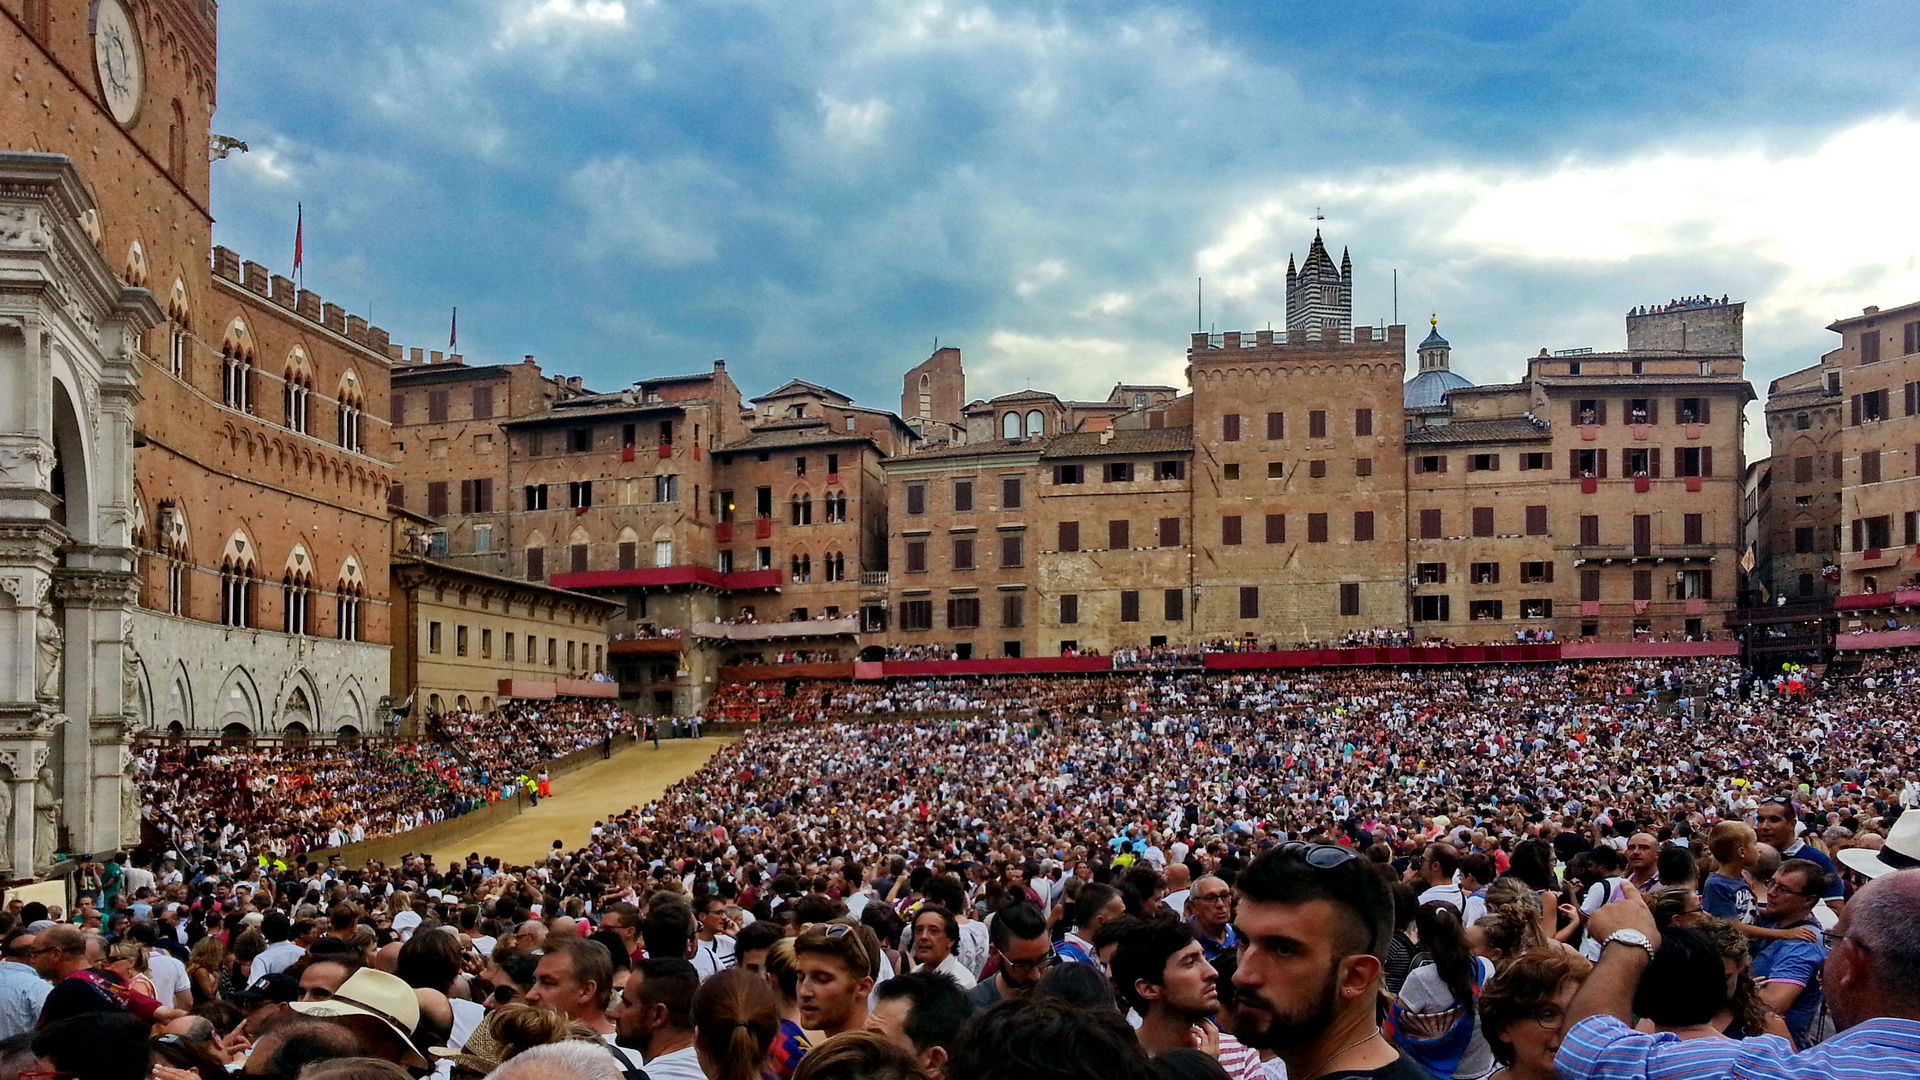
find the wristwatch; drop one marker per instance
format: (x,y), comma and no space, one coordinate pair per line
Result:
(1630,937)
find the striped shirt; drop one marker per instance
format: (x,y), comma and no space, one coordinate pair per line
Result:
(1603,1048)
(1241,1061)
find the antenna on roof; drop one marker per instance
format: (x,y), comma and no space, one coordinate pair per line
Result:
(1396,296)
(1199,304)
(1317,215)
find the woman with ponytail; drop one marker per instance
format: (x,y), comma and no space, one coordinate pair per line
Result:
(735,1019)
(1436,1019)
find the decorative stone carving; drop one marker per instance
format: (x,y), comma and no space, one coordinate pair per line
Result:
(22,227)
(52,651)
(25,465)
(46,815)
(129,682)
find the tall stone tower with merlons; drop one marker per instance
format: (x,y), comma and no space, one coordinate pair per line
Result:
(1320,296)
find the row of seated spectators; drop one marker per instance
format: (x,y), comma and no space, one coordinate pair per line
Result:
(293,797)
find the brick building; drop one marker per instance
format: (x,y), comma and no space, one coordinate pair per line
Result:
(211,534)
(1798,498)
(1879,363)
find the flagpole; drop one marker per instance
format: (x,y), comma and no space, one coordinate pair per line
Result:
(299,238)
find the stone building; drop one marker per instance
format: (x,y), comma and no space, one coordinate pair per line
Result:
(231,458)
(465,639)
(1798,537)
(1879,363)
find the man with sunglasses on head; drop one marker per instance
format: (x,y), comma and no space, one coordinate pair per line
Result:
(837,966)
(1773,822)
(1020,952)
(1313,923)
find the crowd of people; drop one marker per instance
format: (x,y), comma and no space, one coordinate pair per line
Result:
(286,798)
(1618,869)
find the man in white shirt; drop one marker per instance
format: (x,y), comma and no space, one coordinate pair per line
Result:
(283,948)
(936,934)
(713,950)
(575,978)
(654,1017)
(169,976)
(1438,864)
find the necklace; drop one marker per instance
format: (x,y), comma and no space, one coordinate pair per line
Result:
(1329,1059)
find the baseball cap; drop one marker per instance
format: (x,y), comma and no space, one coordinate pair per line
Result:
(279,986)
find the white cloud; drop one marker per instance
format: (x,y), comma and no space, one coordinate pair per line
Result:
(854,124)
(1828,233)
(1039,276)
(534,22)
(265,162)
(653,212)
(1082,368)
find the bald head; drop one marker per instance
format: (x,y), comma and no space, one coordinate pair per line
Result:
(1876,971)
(1178,877)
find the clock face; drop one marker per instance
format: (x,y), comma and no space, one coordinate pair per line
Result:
(116,56)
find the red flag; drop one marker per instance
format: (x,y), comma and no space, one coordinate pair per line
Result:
(299,228)
(453,332)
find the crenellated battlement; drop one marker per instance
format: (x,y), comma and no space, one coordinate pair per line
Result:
(280,290)
(1270,339)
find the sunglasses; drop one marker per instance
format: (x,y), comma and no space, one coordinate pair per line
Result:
(1319,856)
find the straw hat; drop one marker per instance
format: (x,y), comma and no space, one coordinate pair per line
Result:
(373,993)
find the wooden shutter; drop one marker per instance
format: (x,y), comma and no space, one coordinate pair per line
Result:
(1170,532)
(1230,528)
(1706,461)
(1653,462)
(1117,538)
(1276,426)
(1276,528)
(1362,526)
(1069,536)
(1536,521)
(1316,528)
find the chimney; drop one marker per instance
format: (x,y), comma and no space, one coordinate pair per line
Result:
(529,359)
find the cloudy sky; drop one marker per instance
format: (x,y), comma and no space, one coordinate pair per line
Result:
(821,189)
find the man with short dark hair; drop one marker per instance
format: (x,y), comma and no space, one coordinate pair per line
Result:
(667,929)
(1790,967)
(575,977)
(713,946)
(1437,866)
(1162,971)
(755,938)
(1017,941)
(1774,823)
(936,934)
(22,991)
(1314,924)
(836,965)
(1096,906)
(923,1012)
(624,919)
(654,1017)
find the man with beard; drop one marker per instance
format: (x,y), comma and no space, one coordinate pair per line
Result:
(1313,923)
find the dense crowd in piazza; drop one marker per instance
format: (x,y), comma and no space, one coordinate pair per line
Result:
(1495,817)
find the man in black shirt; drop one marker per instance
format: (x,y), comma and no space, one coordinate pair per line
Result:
(1313,922)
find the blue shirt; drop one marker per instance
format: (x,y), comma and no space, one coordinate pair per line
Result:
(1727,898)
(1836,889)
(1796,962)
(22,995)
(1603,1048)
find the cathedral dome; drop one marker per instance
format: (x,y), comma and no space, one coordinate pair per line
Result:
(1429,388)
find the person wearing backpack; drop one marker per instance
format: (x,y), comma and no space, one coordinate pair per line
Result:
(1436,1019)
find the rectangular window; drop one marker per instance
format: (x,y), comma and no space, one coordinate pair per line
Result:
(397,495)
(577,558)
(1317,424)
(1873,533)
(962,496)
(1117,538)
(1643,585)
(1230,471)
(536,564)
(1230,529)
(580,493)
(1534,573)
(1483,521)
(1590,586)
(436,406)
(800,510)
(1276,528)
(1363,466)
(916,556)
(1430,573)
(1803,541)
(1686,461)
(1119,472)
(579,440)
(1169,532)
(1479,610)
(629,555)
(1362,526)
(1012,547)
(1540,608)
(1692,529)
(476,496)
(1430,525)
(459,641)
(1316,528)
(763,558)
(1129,605)
(1589,529)
(1642,410)
(916,498)
(1013,610)
(437,498)
(1249,601)
(1350,597)
(1483,462)
(963,613)
(1009,493)
(1169,470)
(1588,411)
(483,403)
(1910,527)
(1693,410)
(1069,474)
(482,539)
(1069,536)
(963,553)
(799,466)
(1430,463)
(1230,427)
(1069,609)
(1803,469)
(1276,470)
(433,637)
(396,406)
(1276,426)
(1432,609)
(1317,468)
(1529,462)
(1910,338)
(1362,426)
(506,646)
(1869,466)
(1174,604)
(1484,573)
(1643,534)
(1536,521)
(916,615)
(833,464)
(1591,464)
(1870,347)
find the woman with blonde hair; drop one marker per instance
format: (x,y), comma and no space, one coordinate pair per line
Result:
(128,959)
(736,1016)
(205,964)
